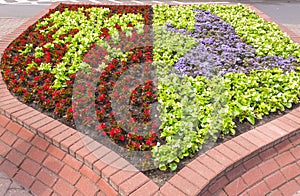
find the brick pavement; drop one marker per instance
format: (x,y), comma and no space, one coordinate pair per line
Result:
(43,168)
(8,186)
(47,157)
(275,171)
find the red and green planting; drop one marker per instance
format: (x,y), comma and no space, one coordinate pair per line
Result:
(156,80)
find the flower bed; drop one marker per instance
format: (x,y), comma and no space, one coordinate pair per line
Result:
(158,81)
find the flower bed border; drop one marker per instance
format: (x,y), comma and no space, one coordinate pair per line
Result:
(220,160)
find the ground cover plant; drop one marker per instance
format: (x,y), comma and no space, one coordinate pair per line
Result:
(154,83)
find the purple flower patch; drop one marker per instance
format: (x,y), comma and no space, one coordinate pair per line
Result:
(220,50)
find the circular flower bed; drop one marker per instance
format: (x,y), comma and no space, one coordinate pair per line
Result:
(159,81)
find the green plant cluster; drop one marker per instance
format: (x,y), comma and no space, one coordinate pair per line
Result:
(89,33)
(168,48)
(262,92)
(181,17)
(266,37)
(194,109)
(191,109)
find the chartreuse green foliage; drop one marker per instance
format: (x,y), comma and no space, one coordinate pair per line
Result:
(262,92)
(193,109)
(188,109)
(89,32)
(265,36)
(181,17)
(168,48)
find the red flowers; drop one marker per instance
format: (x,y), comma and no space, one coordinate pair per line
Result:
(118,27)
(34,84)
(36,78)
(134,58)
(101,98)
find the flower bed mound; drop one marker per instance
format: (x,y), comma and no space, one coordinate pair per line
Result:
(154,83)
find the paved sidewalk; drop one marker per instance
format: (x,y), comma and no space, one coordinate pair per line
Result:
(8,186)
(275,171)
(41,167)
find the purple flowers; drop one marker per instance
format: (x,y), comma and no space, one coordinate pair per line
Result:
(220,50)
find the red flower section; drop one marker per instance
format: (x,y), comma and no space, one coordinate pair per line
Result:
(141,98)
(21,70)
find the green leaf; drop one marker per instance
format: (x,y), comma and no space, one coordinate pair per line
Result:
(173,166)
(288,104)
(162,167)
(251,119)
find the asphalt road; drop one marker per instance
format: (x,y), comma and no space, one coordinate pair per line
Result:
(20,11)
(285,13)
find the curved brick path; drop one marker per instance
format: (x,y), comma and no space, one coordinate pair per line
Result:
(47,157)
(275,171)
(43,168)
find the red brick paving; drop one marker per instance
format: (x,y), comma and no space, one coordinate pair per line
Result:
(45,169)
(49,158)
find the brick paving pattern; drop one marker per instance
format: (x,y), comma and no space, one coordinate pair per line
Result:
(43,168)
(46,157)
(7,185)
(275,170)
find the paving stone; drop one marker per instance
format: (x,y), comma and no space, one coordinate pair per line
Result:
(236,172)
(53,164)
(268,167)
(133,183)
(252,162)
(259,189)
(236,187)
(47,177)
(86,186)
(24,179)
(64,188)
(69,174)
(8,168)
(169,189)
(275,180)
(252,176)
(285,158)
(290,187)
(40,189)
